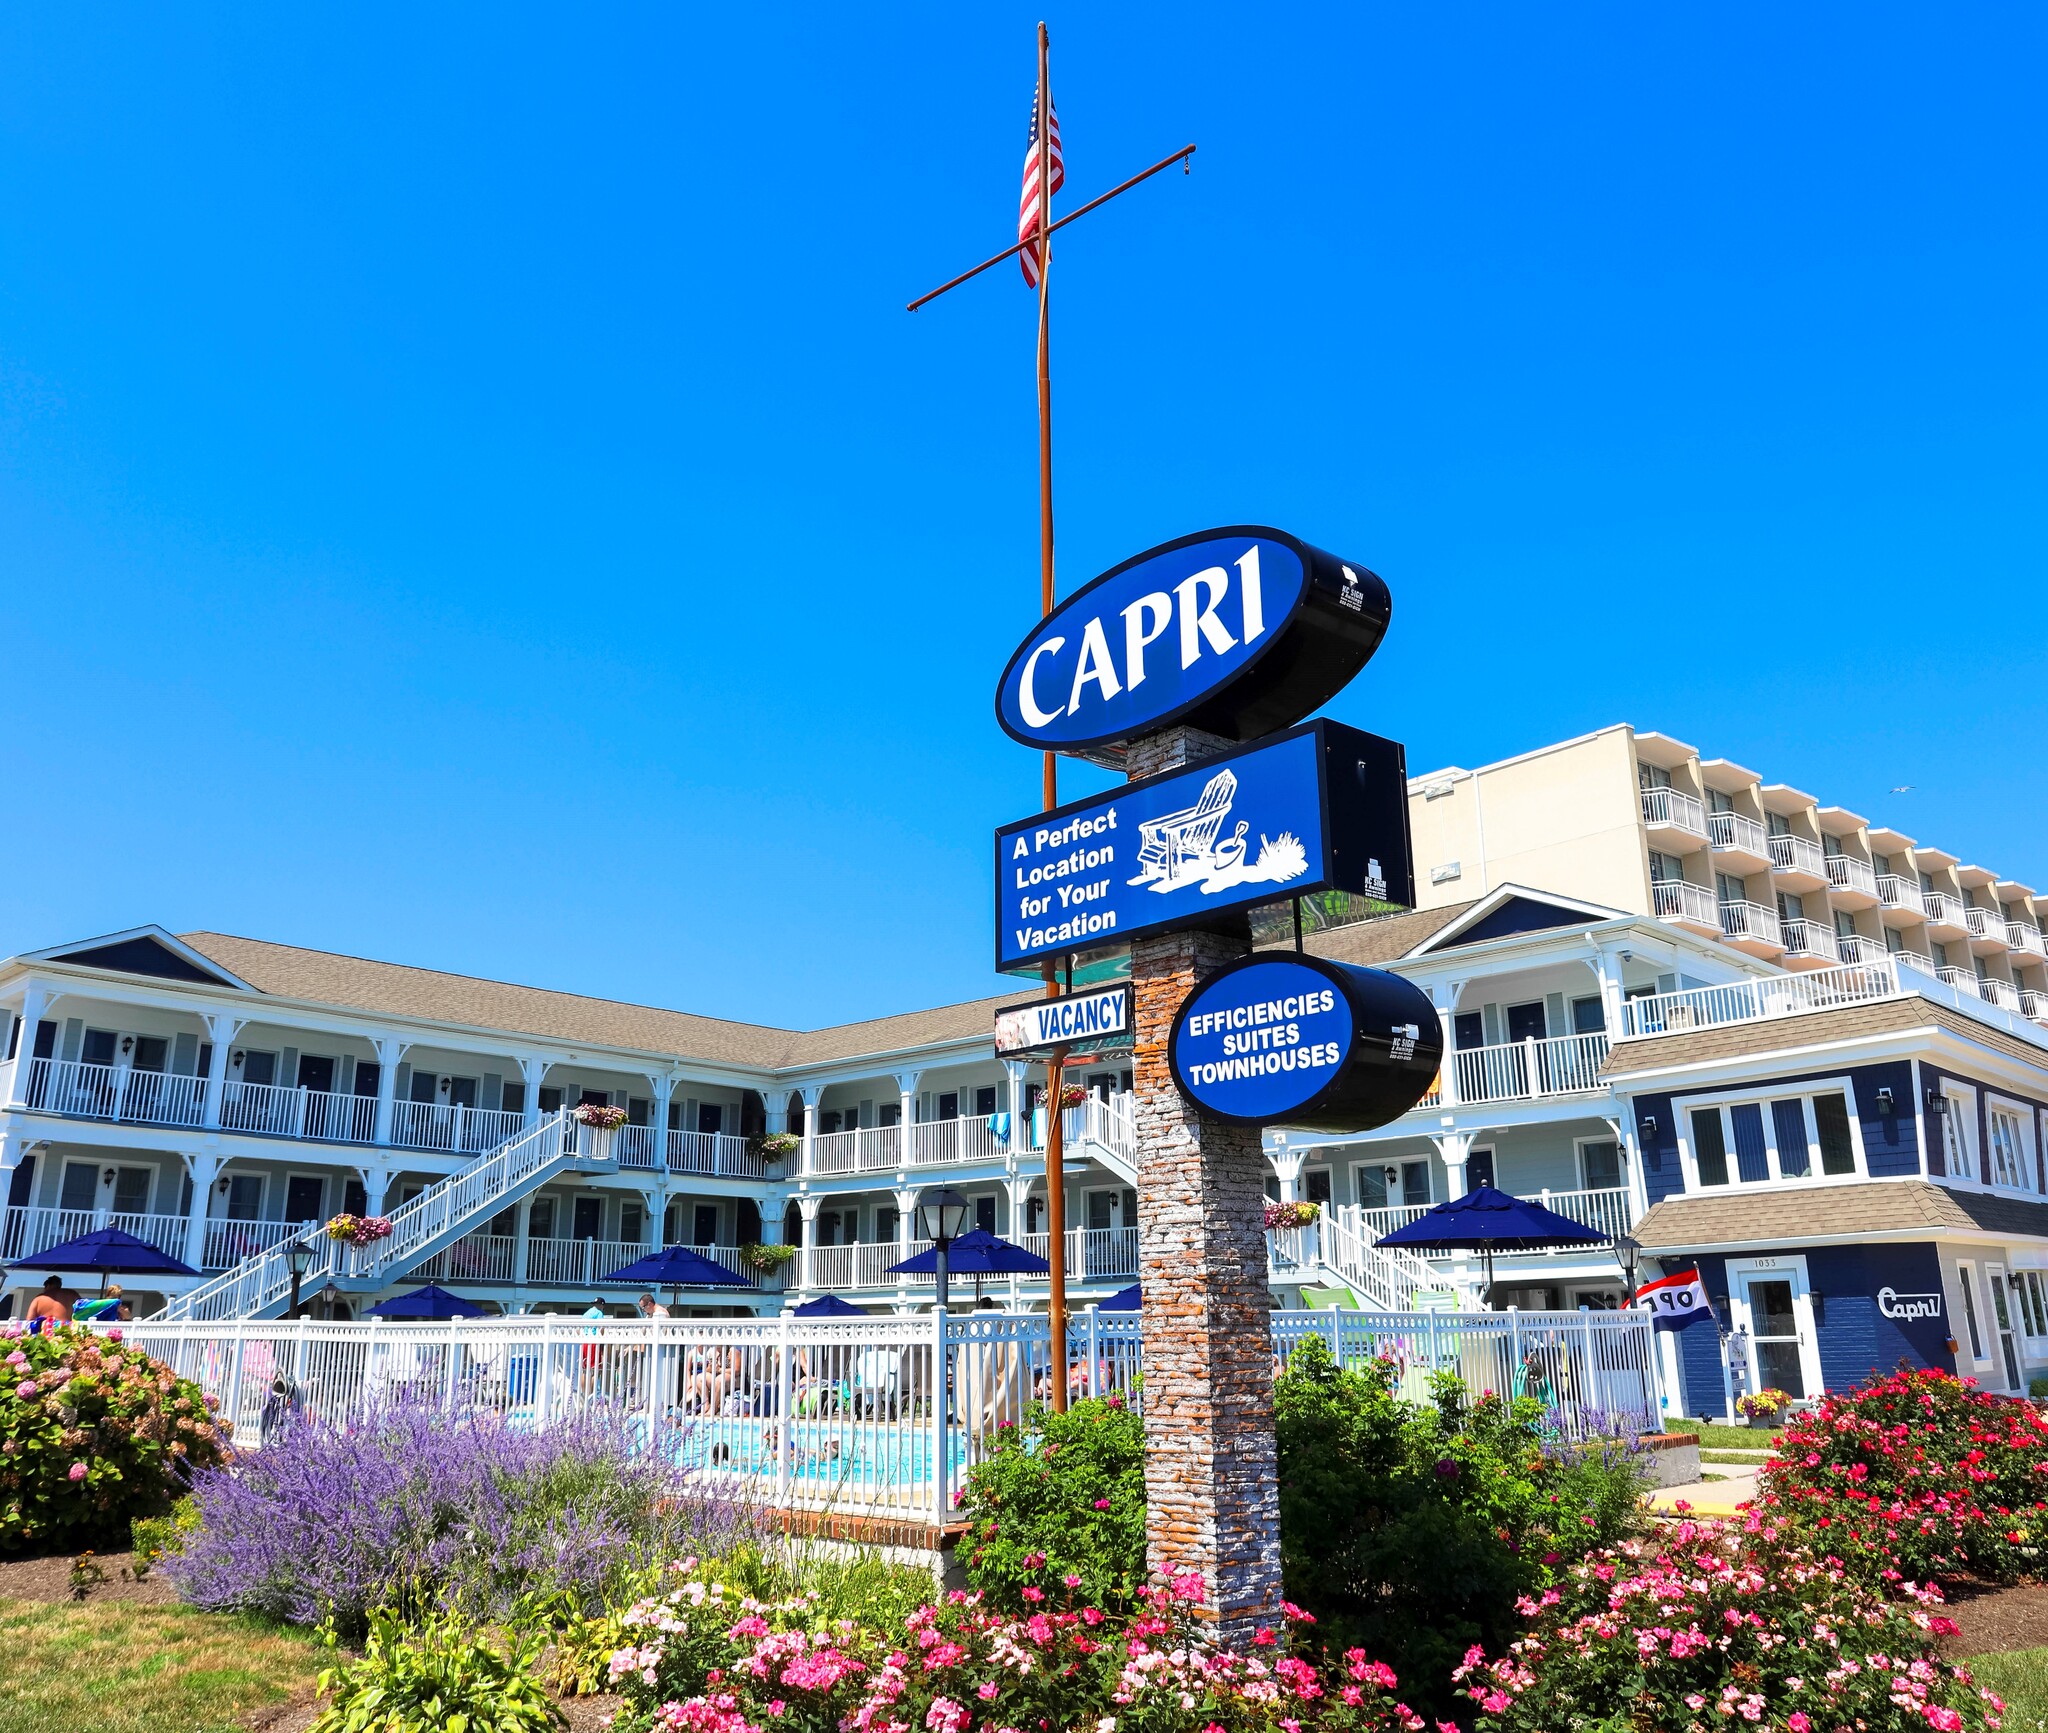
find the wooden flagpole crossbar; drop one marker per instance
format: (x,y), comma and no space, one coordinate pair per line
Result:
(1040,239)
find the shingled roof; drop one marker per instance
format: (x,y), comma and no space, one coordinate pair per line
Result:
(1831,1212)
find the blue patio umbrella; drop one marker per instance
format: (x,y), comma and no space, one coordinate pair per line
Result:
(977,1253)
(827,1306)
(428,1301)
(675,1268)
(1123,1300)
(110,1252)
(1489,1221)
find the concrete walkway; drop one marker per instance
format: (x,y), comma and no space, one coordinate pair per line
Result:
(1708,1497)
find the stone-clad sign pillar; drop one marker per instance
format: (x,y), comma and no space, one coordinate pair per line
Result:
(1211,1476)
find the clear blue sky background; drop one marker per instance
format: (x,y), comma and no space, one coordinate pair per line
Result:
(470,492)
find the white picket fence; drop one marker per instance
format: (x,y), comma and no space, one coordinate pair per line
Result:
(844,1414)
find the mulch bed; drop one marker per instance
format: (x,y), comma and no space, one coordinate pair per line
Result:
(1995,1620)
(49,1579)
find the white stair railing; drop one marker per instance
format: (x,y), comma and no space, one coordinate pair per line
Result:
(418,1229)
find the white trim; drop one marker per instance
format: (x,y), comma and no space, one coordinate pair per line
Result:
(1762,1096)
(1974,1335)
(1792,1266)
(1579,1158)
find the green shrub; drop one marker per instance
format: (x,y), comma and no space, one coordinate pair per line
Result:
(1411,1530)
(156,1538)
(438,1676)
(1061,1497)
(92,1435)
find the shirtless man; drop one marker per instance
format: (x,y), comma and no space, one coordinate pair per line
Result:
(53,1303)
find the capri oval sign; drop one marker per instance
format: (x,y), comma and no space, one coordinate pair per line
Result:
(1236,631)
(1296,1040)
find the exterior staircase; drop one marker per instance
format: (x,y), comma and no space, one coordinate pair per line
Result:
(1106,1131)
(1382,1278)
(260,1286)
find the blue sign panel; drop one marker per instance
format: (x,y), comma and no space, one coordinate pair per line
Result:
(1298,1040)
(1322,808)
(1236,631)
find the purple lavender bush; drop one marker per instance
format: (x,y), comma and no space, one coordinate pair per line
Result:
(409,1506)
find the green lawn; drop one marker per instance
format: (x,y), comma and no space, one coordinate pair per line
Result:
(1725,1437)
(2021,1678)
(116,1668)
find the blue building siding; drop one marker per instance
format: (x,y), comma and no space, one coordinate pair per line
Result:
(1662,1175)
(1854,1337)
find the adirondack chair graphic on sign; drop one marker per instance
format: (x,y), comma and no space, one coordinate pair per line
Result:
(1181,847)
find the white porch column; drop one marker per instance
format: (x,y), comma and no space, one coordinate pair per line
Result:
(808,1203)
(664,1093)
(775,1109)
(813,1093)
(906,1231)
(204,1168)
(376,1184)
(33,1001)
(1287,1165)
(390,1050)
(1607,969)
(1454,1147)
(1447,1080)
(906,1096)
(523,1228)
(532,1068)
(221,1029)
(1018,1071)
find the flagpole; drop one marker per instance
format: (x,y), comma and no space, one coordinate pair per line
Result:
(1055,1119)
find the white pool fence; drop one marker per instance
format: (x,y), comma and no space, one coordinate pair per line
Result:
(840,1413)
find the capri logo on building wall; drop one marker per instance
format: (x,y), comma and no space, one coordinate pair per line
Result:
(1237,631)
(1903,1307)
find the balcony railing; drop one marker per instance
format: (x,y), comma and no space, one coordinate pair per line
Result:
(1857,949)
(1529,1070)
(1093,1255)
(1847,873)
(458,1130)
(28,1229)
(117,1092)
(1794,854)
(1811,939)
(1671,809)
(1751,1001)
(1680,900)
(2034,1005)
(2025,936)
(1997,992)
(936,1142)
(229,1242)
(712,1154)
(1741,920)
(1897,893)
(1945,911)
(1733,832)
(564,1263)
(1987,924)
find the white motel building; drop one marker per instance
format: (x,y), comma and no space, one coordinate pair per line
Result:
(1756,1034)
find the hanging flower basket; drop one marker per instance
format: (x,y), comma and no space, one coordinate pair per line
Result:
(359,1230)
(767,1259)
(1292,1215)
(600,1118)
(1073,1095)
(778,1145)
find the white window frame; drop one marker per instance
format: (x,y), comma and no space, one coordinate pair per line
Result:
(1579,1160)
(93,1166)
(1973,1326)
(1959,1132)
(2033,1298)
(1751,1096)
(2021,1119)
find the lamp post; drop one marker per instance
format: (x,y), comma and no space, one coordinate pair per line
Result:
(1628,1252)
(330,1297)
(298,1258)
(941,1218)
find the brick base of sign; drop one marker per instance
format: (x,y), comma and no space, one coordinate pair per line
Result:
(1211,1474)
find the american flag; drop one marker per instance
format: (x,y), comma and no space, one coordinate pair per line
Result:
(1028,204)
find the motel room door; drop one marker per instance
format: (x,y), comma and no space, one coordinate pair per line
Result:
(1770,1298)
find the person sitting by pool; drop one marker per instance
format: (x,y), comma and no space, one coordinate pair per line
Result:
(51,1307)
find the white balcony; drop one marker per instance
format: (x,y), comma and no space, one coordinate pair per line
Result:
(1946,916)
(1739,840)
(1094,1255)
(1529,1070)
(1965,979)
(1685,904)
(229,1242)
(1901,900)
(1754,1001)
(1857,949)
(2025,936)
(116,1092)
(1852,882)
(457,1130)
(1913,960)
(1987,931)
(1997,992)
(1808,942)
(2034,1005)
(565,1263)
(943,1142)
(1675,820)
(710,1154)
(1798,862)
(28,1230)
(1752,927)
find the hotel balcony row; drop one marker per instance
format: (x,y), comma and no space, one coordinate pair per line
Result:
(1536,1069)
(130,1095)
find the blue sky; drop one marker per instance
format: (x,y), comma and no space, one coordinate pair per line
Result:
(470,492)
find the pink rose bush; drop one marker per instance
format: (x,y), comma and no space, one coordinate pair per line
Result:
(1727,1626)
(699,1657)
(92,1435)
(1917,1475)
